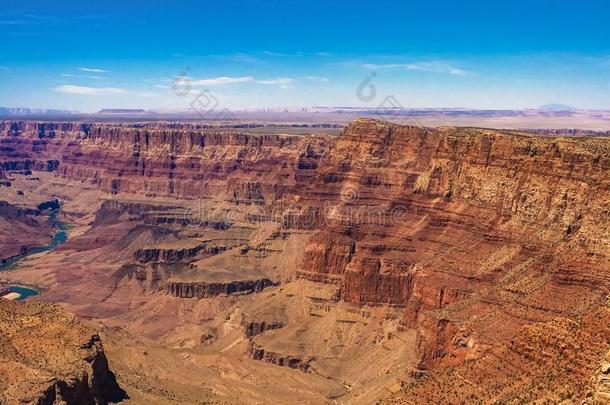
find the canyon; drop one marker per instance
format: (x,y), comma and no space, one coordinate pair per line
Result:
(386,264)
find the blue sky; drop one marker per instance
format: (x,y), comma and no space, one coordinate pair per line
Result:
(479,54)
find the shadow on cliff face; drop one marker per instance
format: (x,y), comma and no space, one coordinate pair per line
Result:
(107,386)
(102,386)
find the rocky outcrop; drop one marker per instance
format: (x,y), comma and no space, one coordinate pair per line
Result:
(155,254)
(47,357)
(327,256)
(556,361)
(253,328)
(49,205)
(151,276)
(258,320)
(8,210)
(177,215)
(4,181)
(114,211)
(280,359)
(26,166)
(601,383)
(200,289)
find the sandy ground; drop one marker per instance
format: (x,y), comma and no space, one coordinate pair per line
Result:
(11,296)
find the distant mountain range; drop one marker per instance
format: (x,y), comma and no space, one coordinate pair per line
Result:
(121,111)
(544,109)
(33,111)
(556,107)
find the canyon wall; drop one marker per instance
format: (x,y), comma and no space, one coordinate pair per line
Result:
(387,202)
(474,233)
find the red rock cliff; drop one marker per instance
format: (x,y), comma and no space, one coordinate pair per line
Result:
(474,232)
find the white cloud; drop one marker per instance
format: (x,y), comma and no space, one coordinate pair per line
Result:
(317,79)
(224,80)
(81,76)
(272,53)
(220,81)
(91,70)
(280,81)
(89,91)
(161,86)
(100,91)
(435,67)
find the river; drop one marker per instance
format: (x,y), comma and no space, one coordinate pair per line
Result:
(60,236)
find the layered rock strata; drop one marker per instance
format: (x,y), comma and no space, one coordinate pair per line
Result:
(481,237)
(295,361)
(212,289)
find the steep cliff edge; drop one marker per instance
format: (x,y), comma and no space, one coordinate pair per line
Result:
(48,357)
(474,232)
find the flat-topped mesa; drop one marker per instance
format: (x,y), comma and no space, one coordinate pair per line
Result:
(256,320)
(254,327)
(183,140)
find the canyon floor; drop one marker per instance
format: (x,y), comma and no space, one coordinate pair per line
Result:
(382,264)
